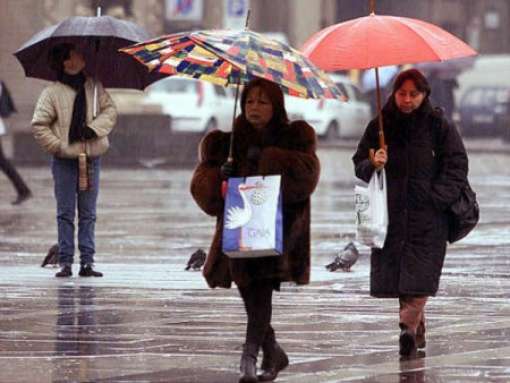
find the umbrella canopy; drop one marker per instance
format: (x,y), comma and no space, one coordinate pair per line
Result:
(99,39)
(375,40)
(386,74)
(228,57)
(447,70)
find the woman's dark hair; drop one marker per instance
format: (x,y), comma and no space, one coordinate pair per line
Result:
(419,80)
(275,95)
(57,55)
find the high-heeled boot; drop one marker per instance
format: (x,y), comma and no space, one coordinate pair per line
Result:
(274,360)
(248,365)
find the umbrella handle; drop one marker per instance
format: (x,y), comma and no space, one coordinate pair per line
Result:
(94,113)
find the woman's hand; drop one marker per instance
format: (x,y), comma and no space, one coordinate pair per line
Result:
(379,159)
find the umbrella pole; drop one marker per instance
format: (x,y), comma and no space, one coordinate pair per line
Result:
(231,148)
(382,143)
(94,113)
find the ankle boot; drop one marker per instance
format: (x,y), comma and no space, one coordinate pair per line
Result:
(420,335)
(249,363)
(407,341)
(275,359)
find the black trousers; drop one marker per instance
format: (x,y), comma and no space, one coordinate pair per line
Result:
(11,173)
(257,298)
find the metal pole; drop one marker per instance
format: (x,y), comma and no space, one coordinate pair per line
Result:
(382,143)
(94,113)
(231,148)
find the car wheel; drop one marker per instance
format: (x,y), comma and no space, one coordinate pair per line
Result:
(212,124)
(332,132)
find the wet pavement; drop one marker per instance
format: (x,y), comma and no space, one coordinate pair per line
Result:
(148,320)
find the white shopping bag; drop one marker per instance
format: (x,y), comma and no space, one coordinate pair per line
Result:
(252,224)
(372,211)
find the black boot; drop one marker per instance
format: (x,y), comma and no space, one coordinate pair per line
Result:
(88,271)
(22,197)
(407,341)
(275,359)
(249,363)
(64,272)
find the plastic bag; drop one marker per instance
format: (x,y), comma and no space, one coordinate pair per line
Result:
(371,206)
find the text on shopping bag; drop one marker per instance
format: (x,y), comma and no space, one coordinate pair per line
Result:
(253,223)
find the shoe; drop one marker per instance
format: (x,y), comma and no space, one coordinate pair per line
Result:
(407,342)
(274,360)
(22,198)
(64,272)
(420,336)
(88,271)
(248,366)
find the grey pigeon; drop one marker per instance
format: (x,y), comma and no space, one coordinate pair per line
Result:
(347,257)
(52,256)
(197,260)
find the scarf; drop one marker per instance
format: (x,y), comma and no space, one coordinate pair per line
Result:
(78,120)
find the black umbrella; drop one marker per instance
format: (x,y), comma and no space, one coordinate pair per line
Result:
(99,39)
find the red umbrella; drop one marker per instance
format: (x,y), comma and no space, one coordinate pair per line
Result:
(373,41)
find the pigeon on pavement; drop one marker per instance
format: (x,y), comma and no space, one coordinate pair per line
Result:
(197,260)
(52,257)
(347,257)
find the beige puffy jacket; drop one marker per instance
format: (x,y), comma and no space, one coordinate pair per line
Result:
(52,120)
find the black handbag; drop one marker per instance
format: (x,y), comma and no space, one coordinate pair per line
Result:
(463,214)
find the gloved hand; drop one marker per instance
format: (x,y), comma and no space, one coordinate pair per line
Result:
(89,133)
(253,155)
(227,170)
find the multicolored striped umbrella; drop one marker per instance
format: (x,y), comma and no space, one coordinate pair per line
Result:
(228,58)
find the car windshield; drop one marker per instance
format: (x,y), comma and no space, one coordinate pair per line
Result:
(174,85)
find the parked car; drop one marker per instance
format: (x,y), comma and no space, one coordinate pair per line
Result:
(331,118)
(131,101)
(195,106)
(485,111)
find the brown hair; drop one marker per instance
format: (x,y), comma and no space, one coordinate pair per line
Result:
(419,80)
(275,95)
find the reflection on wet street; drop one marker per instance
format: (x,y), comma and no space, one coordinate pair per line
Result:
(148,320)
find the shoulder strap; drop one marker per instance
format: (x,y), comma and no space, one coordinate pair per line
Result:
(437,130)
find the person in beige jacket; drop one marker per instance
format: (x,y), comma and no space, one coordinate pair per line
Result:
(67,124)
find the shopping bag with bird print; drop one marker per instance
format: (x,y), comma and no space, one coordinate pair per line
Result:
(252,225)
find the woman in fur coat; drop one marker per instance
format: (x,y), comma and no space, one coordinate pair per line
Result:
(265,143)
(426,166)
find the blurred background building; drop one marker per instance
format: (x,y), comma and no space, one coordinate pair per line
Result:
(484,24)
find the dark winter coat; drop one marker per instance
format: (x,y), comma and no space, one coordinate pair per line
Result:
(6,103)
(427,165)
(290,152)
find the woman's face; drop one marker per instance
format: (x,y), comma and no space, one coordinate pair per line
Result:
(75,63)
(258,108)
(408,98)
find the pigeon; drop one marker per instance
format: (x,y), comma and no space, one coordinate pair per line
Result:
(197,260)
(52,256)
(347,257)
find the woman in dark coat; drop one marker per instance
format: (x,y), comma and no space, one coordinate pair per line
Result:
(264,143)
(426,165)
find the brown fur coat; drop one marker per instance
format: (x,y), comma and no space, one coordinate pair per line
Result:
(288,151)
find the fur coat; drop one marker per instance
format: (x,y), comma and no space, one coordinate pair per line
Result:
(287,150)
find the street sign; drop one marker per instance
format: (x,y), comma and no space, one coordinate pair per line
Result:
(190,10)
(234,13)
